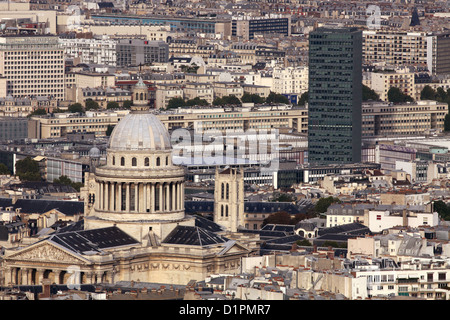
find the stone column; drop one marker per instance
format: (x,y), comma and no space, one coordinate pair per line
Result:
(182,196)
(127,203)
(136,197)
(106,196)
(145,192)
(119,197)
(112,196)
(161,202)
(167,197)
(152,197)
(173,196)
(25,276)
(100,207)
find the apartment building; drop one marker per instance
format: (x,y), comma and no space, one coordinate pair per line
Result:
(100,50)
(201,90)
(382,81)
(222,89)
(235,119)
(385,119)
(395,48)
(119,29)
(33,65)
(165,92)
(136,52)
(246,28)
(22,107)
(392,47)
(290,80)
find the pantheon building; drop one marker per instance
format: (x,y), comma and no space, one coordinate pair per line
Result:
(134,227)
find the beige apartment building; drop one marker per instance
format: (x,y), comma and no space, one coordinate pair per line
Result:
(166,91)
(202,90)
(237,119)
(32,65)
(222,89)
(290,80)
(395,48)
(382,81)
(385,119)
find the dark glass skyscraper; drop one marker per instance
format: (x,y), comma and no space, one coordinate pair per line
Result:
(335,96)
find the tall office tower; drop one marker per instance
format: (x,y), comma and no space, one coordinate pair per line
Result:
(335,96)
(33,65)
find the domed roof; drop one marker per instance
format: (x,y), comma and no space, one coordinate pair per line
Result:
(139,131)
(94,152)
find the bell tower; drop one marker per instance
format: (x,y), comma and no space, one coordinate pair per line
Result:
(229,199)
(140,96)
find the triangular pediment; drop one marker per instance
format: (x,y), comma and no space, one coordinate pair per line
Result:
(46,251)
(232,247)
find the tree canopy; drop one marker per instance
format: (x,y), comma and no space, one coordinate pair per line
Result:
(277,98)
(4,169)
(322,204)
(369,94)
(28,170)
(442,209)
(75,107)
(64,180)
(247,97)
(395,95)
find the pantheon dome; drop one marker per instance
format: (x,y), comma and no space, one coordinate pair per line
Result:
(139,131)
(139,188)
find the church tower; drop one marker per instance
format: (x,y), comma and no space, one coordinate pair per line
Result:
(140,96)
(229,199)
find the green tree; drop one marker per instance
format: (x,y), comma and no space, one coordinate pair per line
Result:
(277,98)
(303,98)
(64,180)
(247,97)
(127,104)
(322,204)
(196,102)
(280,217)
(304,243)
(112,105)
(76,107)
(28,170)
(282,197)
(428,93)
(442,209)
(447,122)
(109,130)
(91,105)
(4,169)
(369,94)
(176,103)
(38,112)
(395,95)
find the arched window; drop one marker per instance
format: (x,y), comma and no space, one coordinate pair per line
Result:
(167,161)
(137,96)
(221,210)
(142,96)
(122,161)
(134,162)
(146,162)
(226,211)
(222,192)
(228,190)
(158,162)
(113,161)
